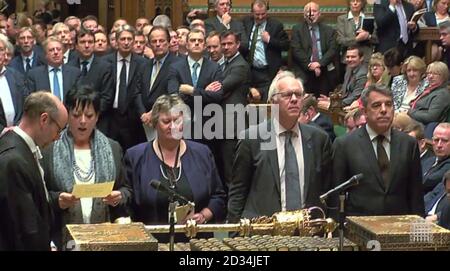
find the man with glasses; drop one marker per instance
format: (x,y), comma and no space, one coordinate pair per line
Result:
(24,201)
(279,165)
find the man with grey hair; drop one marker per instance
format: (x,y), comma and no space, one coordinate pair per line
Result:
(444,36)
(280,165)
(30,55)
(24,201)
(162,20)
(388,159)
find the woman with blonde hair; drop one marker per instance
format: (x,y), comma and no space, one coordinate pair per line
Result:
(378,72)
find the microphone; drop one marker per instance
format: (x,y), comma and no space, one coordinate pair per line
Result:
(343,186)
(167,190)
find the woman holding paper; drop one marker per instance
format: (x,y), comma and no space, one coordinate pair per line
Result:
(83,155)
(185,166)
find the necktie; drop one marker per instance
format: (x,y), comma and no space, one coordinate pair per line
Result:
(84,69)
(253,44)
(28,61)
(383,161)
(195,73)
(123,87)
(293,191)
(403,22)
(56,88)
(38,156)
(315,50)
(155,72)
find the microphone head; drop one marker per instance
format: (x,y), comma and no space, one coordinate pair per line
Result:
(155,184)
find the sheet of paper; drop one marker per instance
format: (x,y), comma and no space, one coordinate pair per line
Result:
(97,190)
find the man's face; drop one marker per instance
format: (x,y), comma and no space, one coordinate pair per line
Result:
(182,35)
(350,124)
(441,142)
(2,54)
(353,59)
(159,43)
(379,112)
(229,46)
(54,53)
(118,24)
(214,48)
(173,46)
(101,44)
(139,44)
(259,13)
(222,7)
(196,43)
(140,23)
(63,34)
(74,23)
(125,43)
(289,98)
(85,46)
(312,13)
(444,37)
(90,25)
(26,41)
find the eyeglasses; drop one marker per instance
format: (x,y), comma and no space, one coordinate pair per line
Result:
(287,95)
(60,129)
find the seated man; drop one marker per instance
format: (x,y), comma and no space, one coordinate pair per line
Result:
(437,203)
(416,130)
(309,115)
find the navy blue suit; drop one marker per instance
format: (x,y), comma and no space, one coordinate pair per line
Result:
(325,122)
(18,91)
(38,60)
(433,175)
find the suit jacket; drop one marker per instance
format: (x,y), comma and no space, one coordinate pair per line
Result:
(38,60)
(388,27)
(143,165)
(432,107)
(432,175)
(279,42)
(325,122)
(147,97)
(98,77)
(26,214)
(430,18)
(37,78)
(354,82)
(302,47)
(354,154)
(2,117)
(444,220)
(433,196)
(18,92)
(213,24)
(255,187)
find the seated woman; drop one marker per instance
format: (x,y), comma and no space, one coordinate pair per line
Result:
(410,84)
(378,72)
(434,102)
(188,167)
(83,155)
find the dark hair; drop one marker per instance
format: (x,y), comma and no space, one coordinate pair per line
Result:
(89,18)
(393,57)
(237,37)
(379,88)
(260,3)
(160,28)
(417,128)
(84,32)
(309,101)
(82,96)
(355,46)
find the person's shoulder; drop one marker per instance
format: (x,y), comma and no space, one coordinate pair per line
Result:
(315,131)
(197,147)
(403,137)
(137,150)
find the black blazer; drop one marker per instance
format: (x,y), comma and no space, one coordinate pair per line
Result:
(213,24)
(255,187)
(354,154)
(279,42)
(18,92)
(433,175)
(38,60)
(147,97)
(325,122)
(2,117)
(37,78)
(26,214)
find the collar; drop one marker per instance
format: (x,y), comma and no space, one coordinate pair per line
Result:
(279,130)
(120,57)
(30,142)
(373,134)
(261,25)
(221,60)
(66,54)
(316,116)
(233,57)
(350,15)
(162,59)
(2,71)
(30,57)
(191,61)
(89,60)
(50,68)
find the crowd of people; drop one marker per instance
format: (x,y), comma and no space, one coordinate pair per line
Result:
(160,102)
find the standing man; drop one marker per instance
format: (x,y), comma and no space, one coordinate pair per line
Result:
(314,50)
(30,56)
(388,159)
(266,41)
(286,167)
(215,49)
(24,206)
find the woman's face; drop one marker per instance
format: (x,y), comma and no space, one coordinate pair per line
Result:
(434,78)
(412,74)
(170,126)
(82,122)
(377,70)
(442,7)
(355,6)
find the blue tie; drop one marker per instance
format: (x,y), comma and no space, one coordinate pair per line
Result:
(56,89)
(194,73)
(293,191)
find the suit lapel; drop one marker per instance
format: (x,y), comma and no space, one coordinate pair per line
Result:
(369,154)
(13,91)
(163,71)
(271,154)
(65,78)
(307,161)
(133,64)
(187,74)
(394,153)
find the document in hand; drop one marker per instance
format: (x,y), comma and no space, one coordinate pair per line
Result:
(417,15)
(97,190)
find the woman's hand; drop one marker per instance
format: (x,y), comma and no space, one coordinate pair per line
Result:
(362,35)
(66,200)
(203,216)
(113,199)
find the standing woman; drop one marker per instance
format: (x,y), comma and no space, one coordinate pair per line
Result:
(83,155)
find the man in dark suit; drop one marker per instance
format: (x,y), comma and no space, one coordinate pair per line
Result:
(280,165)
(355,77)
(263,47)
(314,51)
(223,20)
(95,72)
(196,76)
(394,28)
(416,130)
(121,121)
(55,77)
(29,56)
(388,159)
(24,207)
(310,115)
(154,76)
(437,203)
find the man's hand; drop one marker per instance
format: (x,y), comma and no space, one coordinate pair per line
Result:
(317,72)
(265,36)
(412,25)
(431,218)
(255,95)
(186,89)
(146,118)
(113,199)
(313,65)
(148,52)
(362,35)
(214,86)
(226,19)
(66,200)
(323,102)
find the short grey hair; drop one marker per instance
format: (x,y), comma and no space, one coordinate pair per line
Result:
(162,20)
(379,88)
(38,103)
(125,28)
(167,103)
(273,89)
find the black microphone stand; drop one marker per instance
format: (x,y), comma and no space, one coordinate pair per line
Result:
(172,206)
(342,197)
